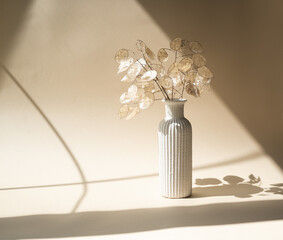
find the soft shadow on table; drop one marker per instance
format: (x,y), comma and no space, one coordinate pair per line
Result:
(276,189)
(137,220)
(231,186)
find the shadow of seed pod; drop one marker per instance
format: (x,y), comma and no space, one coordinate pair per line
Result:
(207,181)
(233,180)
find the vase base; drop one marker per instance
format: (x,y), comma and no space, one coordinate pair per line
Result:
(176,197)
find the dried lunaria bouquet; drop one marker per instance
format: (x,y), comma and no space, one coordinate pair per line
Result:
(186,71)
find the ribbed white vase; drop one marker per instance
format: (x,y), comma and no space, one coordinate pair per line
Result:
(175,151)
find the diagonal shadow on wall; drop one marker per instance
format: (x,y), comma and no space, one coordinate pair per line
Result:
(12,18)
(243,44)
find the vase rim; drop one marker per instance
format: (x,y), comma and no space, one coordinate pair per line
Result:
(175,100)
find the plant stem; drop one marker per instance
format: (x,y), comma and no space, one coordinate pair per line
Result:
(162,89)
(177,91)
(183,88)
(156,80)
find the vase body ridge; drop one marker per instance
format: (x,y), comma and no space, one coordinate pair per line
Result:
(175,151)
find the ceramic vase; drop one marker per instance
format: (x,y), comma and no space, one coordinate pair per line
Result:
(175,151)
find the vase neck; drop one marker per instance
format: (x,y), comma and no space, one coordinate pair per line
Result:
(174,109)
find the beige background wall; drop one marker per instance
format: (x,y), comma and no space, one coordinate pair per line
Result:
(243,40)
(61,52)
